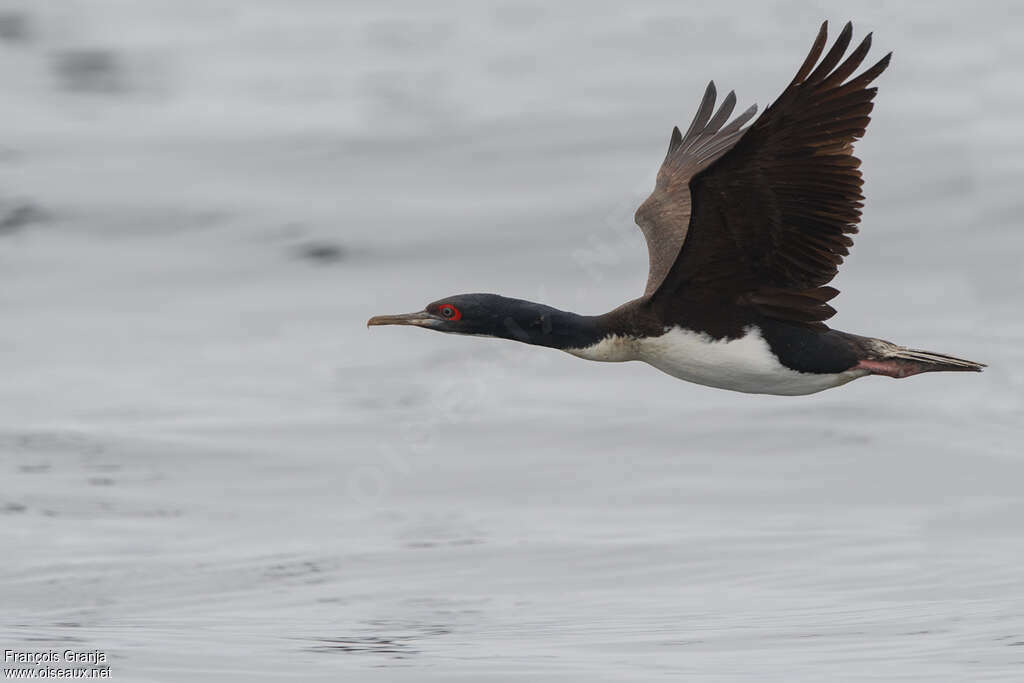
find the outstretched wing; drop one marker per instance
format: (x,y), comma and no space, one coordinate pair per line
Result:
(771,218)
(665,216)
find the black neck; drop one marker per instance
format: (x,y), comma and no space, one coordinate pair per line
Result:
(540,325)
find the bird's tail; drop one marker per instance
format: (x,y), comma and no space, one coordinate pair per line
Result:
(898,361)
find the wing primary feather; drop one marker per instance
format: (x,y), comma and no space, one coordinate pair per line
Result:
(738,122)
(849,66)
(700,119)
(862,80)
(674,141)
(833,56)
(724,111)
(812,56)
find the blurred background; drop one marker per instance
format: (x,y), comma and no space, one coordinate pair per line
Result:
(212,470)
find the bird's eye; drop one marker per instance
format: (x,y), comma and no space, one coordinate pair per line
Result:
(450,312)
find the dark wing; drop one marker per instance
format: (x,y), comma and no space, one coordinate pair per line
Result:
(772,216)
(665,215)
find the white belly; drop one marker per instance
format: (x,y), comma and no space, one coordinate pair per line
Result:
(746,364)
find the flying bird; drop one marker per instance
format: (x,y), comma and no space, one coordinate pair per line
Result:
(745,228)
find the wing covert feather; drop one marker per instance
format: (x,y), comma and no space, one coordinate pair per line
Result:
(664,216)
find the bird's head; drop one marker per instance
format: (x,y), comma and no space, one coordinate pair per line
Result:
(493,316)
(481,314)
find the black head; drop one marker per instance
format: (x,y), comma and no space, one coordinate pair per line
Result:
(498,316)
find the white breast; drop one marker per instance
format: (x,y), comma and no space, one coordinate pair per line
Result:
(745,364)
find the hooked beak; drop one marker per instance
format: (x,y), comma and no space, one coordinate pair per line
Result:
(420,319)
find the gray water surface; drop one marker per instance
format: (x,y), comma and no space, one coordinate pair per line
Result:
(212,471)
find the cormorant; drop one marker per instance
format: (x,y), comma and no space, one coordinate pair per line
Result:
(744,230)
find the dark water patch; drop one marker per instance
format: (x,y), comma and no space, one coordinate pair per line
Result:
(36,636)
(13,508)
(417,545)
(292,570)
(15,27)
(378,645)
(93,70)
(400,643)
(19,215)
(322,253)
(50,639)
(55,442)
(334,599)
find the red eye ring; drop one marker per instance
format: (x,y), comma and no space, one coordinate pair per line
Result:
(449,312)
